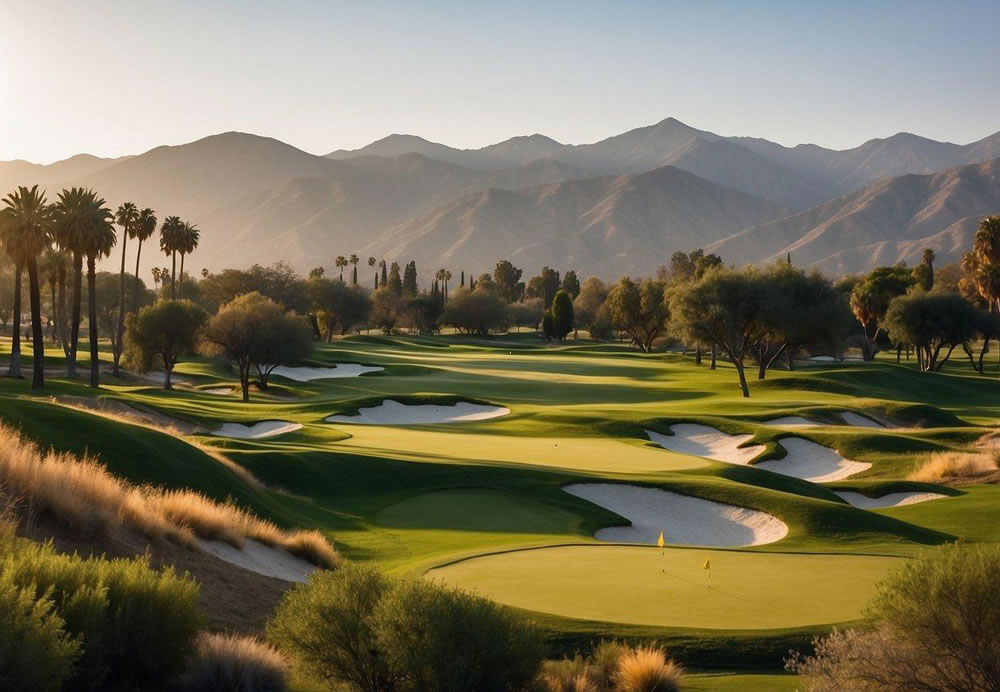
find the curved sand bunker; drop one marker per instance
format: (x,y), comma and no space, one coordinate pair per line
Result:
(391,412)
(682,519)
(267,428)
(309,374)
(792,422)
(859,421)
(705,441)
(262,559)
(804,459)
(887,500)
(812,462)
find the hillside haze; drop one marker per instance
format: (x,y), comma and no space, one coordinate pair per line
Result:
(616,206)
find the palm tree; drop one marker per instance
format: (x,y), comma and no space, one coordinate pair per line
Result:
(127,217)
(145,226)
(381,266)
(53,265)
(27,231)
(171,239)
(97,244)
(156,277)
(74,215)
(188,243)
(371,263)
(341,262)
(447,278)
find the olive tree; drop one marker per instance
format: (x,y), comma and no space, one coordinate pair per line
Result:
(475,312)
(337,305)
(932,322)
(639,310)
(160,334)
(870,300)
(255,333)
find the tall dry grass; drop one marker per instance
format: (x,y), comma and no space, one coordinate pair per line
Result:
(949,466)
(646,669)
(82,493)
(233,663)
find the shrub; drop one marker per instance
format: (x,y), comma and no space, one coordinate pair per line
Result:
(136,625)
(646,669)
(232,663)
(937,627)
(327,628)
(449,640)
(568,675)
(943,466)
(604,660)
(35,651)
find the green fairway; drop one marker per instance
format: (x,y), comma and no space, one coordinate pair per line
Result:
(626,585)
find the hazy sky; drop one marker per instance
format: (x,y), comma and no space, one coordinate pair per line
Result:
(114,78)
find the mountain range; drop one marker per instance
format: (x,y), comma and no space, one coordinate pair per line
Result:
(618,206)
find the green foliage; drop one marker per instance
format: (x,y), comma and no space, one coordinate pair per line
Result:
(395,284)
(507,280)
(161,333)
(387,309)
(932,322)
(231,663)
(279,282)
(328,630)
(475,312)
(338,306)
(571,284)
(544,286)
(450,641)
(410,279)
(562,315)
(136,625)
(36,653)
(639,310)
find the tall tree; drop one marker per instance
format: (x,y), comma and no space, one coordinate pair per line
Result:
(171,240)
(53,264)
(385,277)
(341,262)
(354,259)
(25,225)
(145,226)
(562,314)
(127,216)
(97,244)
(447,278)
(870,299)
(159,334)
(395,283)
(507,279)
(410,279)
(639,310)
(923,273)
(190,236)
(571,284)
(371,263)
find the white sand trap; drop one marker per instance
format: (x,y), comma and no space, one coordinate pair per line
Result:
(309,374)
(262,559)
(792,422)
(705,441)
(267,428)
(812,462)
(858,421)
(220,391)
(823,359)
(391,412)
(682,519)
(888,500)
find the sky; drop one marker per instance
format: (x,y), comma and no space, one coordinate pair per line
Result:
(120,77)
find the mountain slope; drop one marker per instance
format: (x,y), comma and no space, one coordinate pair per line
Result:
(889,221)
(52,176)
(607,226)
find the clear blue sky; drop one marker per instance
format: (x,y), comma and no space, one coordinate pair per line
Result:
(120,77)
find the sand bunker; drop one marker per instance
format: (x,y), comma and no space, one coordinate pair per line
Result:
(792,422)
(267,428)
(856,420)
(219,391)
(888,500)
(262,559)
(812,462)
(309,374)
(682,519)
(705,441)
(391,412)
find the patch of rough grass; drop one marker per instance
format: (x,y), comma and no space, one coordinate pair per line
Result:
(647,669)
(80,492)
(568,675)
(943,467)
(234,663)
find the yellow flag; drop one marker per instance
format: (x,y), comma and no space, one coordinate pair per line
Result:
(659,541)
(708,564)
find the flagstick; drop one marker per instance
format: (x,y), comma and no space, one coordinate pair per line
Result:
(661,560)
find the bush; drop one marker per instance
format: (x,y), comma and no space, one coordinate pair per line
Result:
(646,669)
(452,641)
(937,627)
(35,651)
(231,663)
(327,628)
(475,312)
(605,659)
(136,626)
(568,675)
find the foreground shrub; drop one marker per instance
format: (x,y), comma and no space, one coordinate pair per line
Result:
(327,628)
(937,628)
(568,675)
(136,626)
(232,663)
(646,669)
(944,466)
(604,660)
(451,641)
(35,651)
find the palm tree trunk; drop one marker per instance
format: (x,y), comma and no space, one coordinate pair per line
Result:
(37,337)
(95,365)
(53,318)
(14,370)
(116,344)
(61,314)
(173,275)
(180,276)
(74,337)
(135,284)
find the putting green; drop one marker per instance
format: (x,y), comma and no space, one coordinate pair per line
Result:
(625,584)
(595,454)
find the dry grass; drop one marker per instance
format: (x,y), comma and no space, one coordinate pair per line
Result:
(80,492)
(646,669)
(955,466)
(568,675)
(235,663)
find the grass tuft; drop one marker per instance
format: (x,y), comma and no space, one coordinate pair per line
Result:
(646,669)
(949,466)
(229,662)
